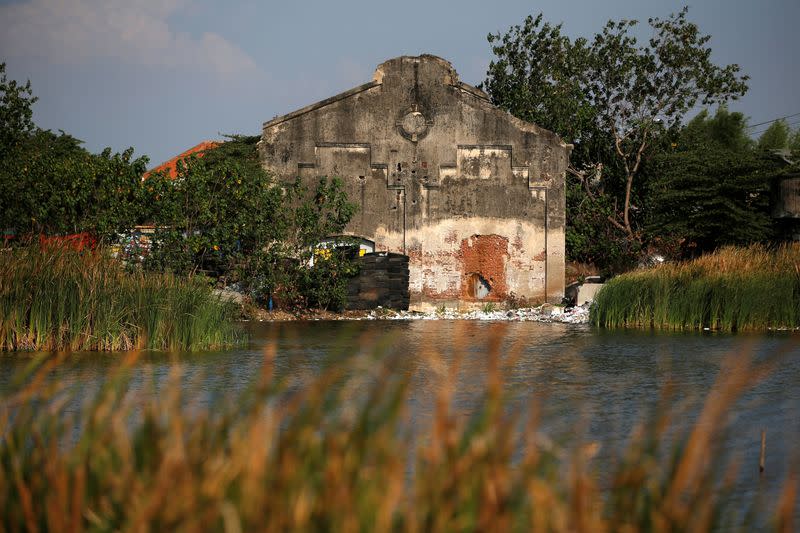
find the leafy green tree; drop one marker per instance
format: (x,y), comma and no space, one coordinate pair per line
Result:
(794,141)
(725,129)
(612,97)
(776,137)
(16,112)
(538,75)
(224,216)
(293,266)
(50,184)
(713,187)
(218,209)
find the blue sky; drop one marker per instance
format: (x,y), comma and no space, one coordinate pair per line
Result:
(163,75)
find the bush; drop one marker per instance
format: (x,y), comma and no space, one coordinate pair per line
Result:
(224,215)
(220,209)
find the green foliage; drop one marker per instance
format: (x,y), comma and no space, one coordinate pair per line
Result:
(16,112)
(615,99)
(776,137)
(489,307)
(590,238)
(733,289)
(324,284)
(49,184)
(712,188)
(725,130)
(794,142)
(294,268)
(707,199)
(219,209)
(59,299)
(537,75)
(224,215)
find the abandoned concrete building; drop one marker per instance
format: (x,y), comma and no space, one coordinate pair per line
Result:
(472,195)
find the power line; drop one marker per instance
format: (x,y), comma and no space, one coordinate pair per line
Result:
(771,121)
(762,131)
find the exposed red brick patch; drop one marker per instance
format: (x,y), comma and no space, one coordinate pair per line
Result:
(432,294)
(485,255)
(171,167)
(541,256)
(414,254)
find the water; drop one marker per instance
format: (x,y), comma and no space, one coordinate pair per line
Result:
(592,384)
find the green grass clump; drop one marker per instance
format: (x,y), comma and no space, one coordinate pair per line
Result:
(56,298)
(732,289)
(335,455)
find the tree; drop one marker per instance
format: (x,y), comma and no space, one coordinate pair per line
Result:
(610,96)
(794,141)
(50,184)
(712,187)
(538,75)
(776,137)
(725,129)
(225,216)
(16,112)
(218,209)
(313,216)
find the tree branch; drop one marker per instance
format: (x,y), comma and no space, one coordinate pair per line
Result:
(629,183)
(581,176)
(617,224)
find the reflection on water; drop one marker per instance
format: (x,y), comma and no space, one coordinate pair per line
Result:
(590,383)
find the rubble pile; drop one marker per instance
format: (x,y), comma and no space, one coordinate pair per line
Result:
(543,313)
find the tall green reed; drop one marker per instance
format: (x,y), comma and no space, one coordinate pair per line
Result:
(56,298)
(732,289)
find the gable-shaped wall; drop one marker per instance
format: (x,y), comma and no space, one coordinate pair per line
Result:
(439,174)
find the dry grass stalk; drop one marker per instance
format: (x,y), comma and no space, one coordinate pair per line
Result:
(323,458)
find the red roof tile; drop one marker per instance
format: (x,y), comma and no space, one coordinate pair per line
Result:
(171,166)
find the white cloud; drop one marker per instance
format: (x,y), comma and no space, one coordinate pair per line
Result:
(134,32)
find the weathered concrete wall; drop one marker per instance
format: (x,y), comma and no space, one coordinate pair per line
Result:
(468,192)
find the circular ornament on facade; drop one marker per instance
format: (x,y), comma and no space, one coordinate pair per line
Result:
(413,125)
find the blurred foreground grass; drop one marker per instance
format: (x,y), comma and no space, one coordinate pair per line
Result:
(331,457)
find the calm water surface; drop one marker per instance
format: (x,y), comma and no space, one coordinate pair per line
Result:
(590,383)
